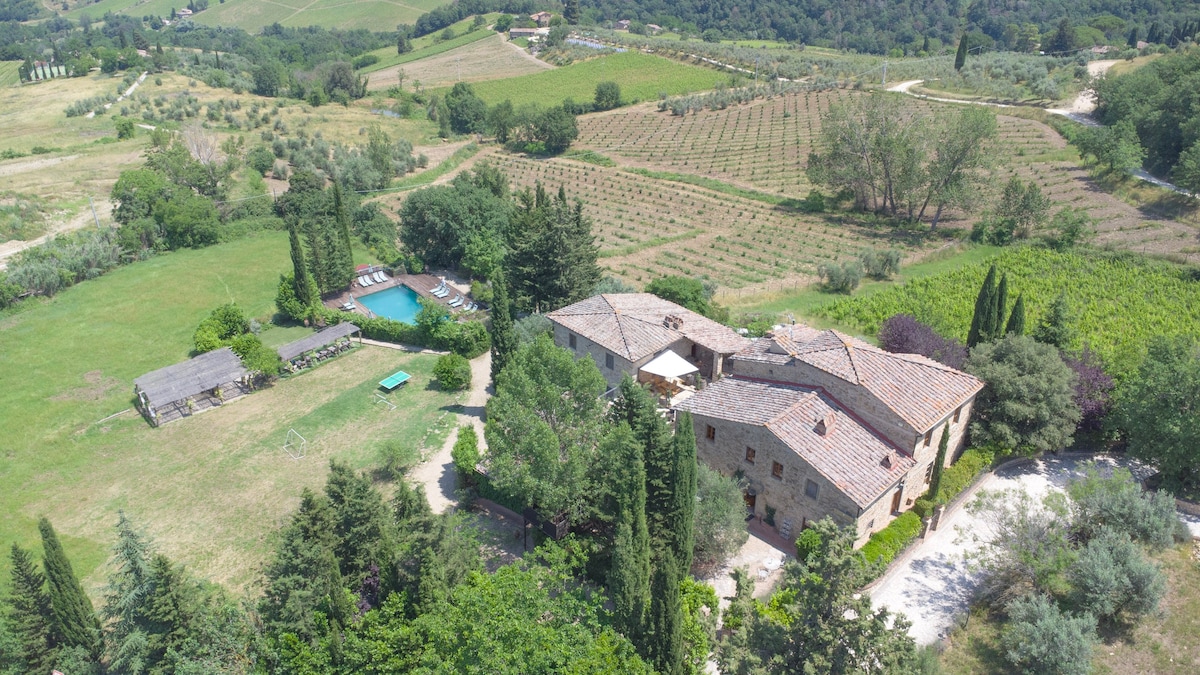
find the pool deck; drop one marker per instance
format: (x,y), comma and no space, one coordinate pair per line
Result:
(421,284)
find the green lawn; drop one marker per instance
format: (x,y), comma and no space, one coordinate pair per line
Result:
(8,72)
(425,46)
(252,15)
(641,77)
(210,488)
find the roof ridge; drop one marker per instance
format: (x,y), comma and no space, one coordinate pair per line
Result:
(849,347)
(809,394)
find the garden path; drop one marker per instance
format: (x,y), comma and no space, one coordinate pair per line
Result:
(437,473)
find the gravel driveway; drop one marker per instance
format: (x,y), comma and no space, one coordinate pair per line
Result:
(933,585)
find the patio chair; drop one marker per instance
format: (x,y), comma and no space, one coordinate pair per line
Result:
(441,293)
(378,277)
(458,300)
(382,277)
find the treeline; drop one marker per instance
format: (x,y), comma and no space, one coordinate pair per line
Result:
(1151,107)
(449,14)
(875,28)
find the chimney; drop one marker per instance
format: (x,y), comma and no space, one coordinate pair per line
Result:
(888,460)
(673,322)
(825,425)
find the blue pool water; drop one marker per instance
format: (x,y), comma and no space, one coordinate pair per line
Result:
(398,303)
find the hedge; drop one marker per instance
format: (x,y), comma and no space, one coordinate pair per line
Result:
(959,475)
(886,544)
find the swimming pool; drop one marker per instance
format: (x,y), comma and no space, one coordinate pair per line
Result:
(398,303)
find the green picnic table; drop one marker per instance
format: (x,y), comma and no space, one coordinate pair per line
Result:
(395,380)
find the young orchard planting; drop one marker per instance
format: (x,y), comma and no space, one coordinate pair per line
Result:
(647,227)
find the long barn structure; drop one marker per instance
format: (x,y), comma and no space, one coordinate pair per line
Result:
(183,389)
(317,340)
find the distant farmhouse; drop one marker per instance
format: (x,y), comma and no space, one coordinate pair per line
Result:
(541,18)
(818,422)
(514,33)
(623,24)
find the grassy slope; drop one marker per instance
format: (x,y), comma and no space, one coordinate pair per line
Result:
(252,15)
(641,77)
(8,72)
(209,488)
(427,45)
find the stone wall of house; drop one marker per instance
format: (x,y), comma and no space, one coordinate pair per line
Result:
(622,366)
(786,494)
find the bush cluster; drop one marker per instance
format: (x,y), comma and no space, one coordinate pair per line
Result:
(840,278)
(466,451)
(453,372)
(959,475)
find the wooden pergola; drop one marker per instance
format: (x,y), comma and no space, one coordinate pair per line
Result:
(319,339)
(183,389)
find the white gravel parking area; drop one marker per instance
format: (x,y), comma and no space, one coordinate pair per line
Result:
(933,584)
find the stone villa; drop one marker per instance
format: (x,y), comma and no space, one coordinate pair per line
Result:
(624,332)
(818,422)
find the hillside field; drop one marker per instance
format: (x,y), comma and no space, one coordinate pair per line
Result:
(252,15)
(764,145)
(428,45)
(642,77)
(480,59)
(210,488)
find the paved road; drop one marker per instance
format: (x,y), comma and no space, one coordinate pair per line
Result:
(934,585)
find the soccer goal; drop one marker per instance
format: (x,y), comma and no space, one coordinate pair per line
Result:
(295,445)
(380,398)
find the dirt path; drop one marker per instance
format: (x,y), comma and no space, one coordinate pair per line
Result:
(437,474)
(33,164)
(530,57)
(83,219)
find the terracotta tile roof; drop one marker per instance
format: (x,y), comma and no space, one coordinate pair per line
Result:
(634,325)
(861,463)
(920,390)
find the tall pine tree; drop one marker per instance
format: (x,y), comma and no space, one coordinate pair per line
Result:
(504,337)
(939,464)
(683,493)
(982,323)
(129,585)
(1016,320)
(73,621)
(636,407)
(629,572)
(363,526)
(664,639)
(343,225)
(960,57)
(29,613)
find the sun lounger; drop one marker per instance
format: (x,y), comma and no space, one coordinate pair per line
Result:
(382,277)
(458,300)
(441,293)
(378,276)
(362,281)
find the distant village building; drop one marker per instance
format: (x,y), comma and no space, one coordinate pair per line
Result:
(184,13)
(1142,44)
(823,424)
(625,332)
(1102,49)
(654,28)
(623,24)
(541,18)
(514,33)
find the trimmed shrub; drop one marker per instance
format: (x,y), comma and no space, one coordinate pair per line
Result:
(886,544)
(453,372)
(959,475)
(466,451)
(841,278)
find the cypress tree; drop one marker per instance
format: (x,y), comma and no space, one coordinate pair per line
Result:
(73,621)
(1016,320)
(664,641)
(683,492)
(504,337)
(1055,327)
(1133,38)
(345,268)
(984,312)
(29,613)
(629,573)
(306,291)
(1000,309)
(636,407)
(960,57)
(939,464)
(362,524)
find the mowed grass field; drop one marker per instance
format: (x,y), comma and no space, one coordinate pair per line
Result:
(642,77)
(488,58)
(252,15)
(212,488)
(428,45)
(765,145)
(8,73)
